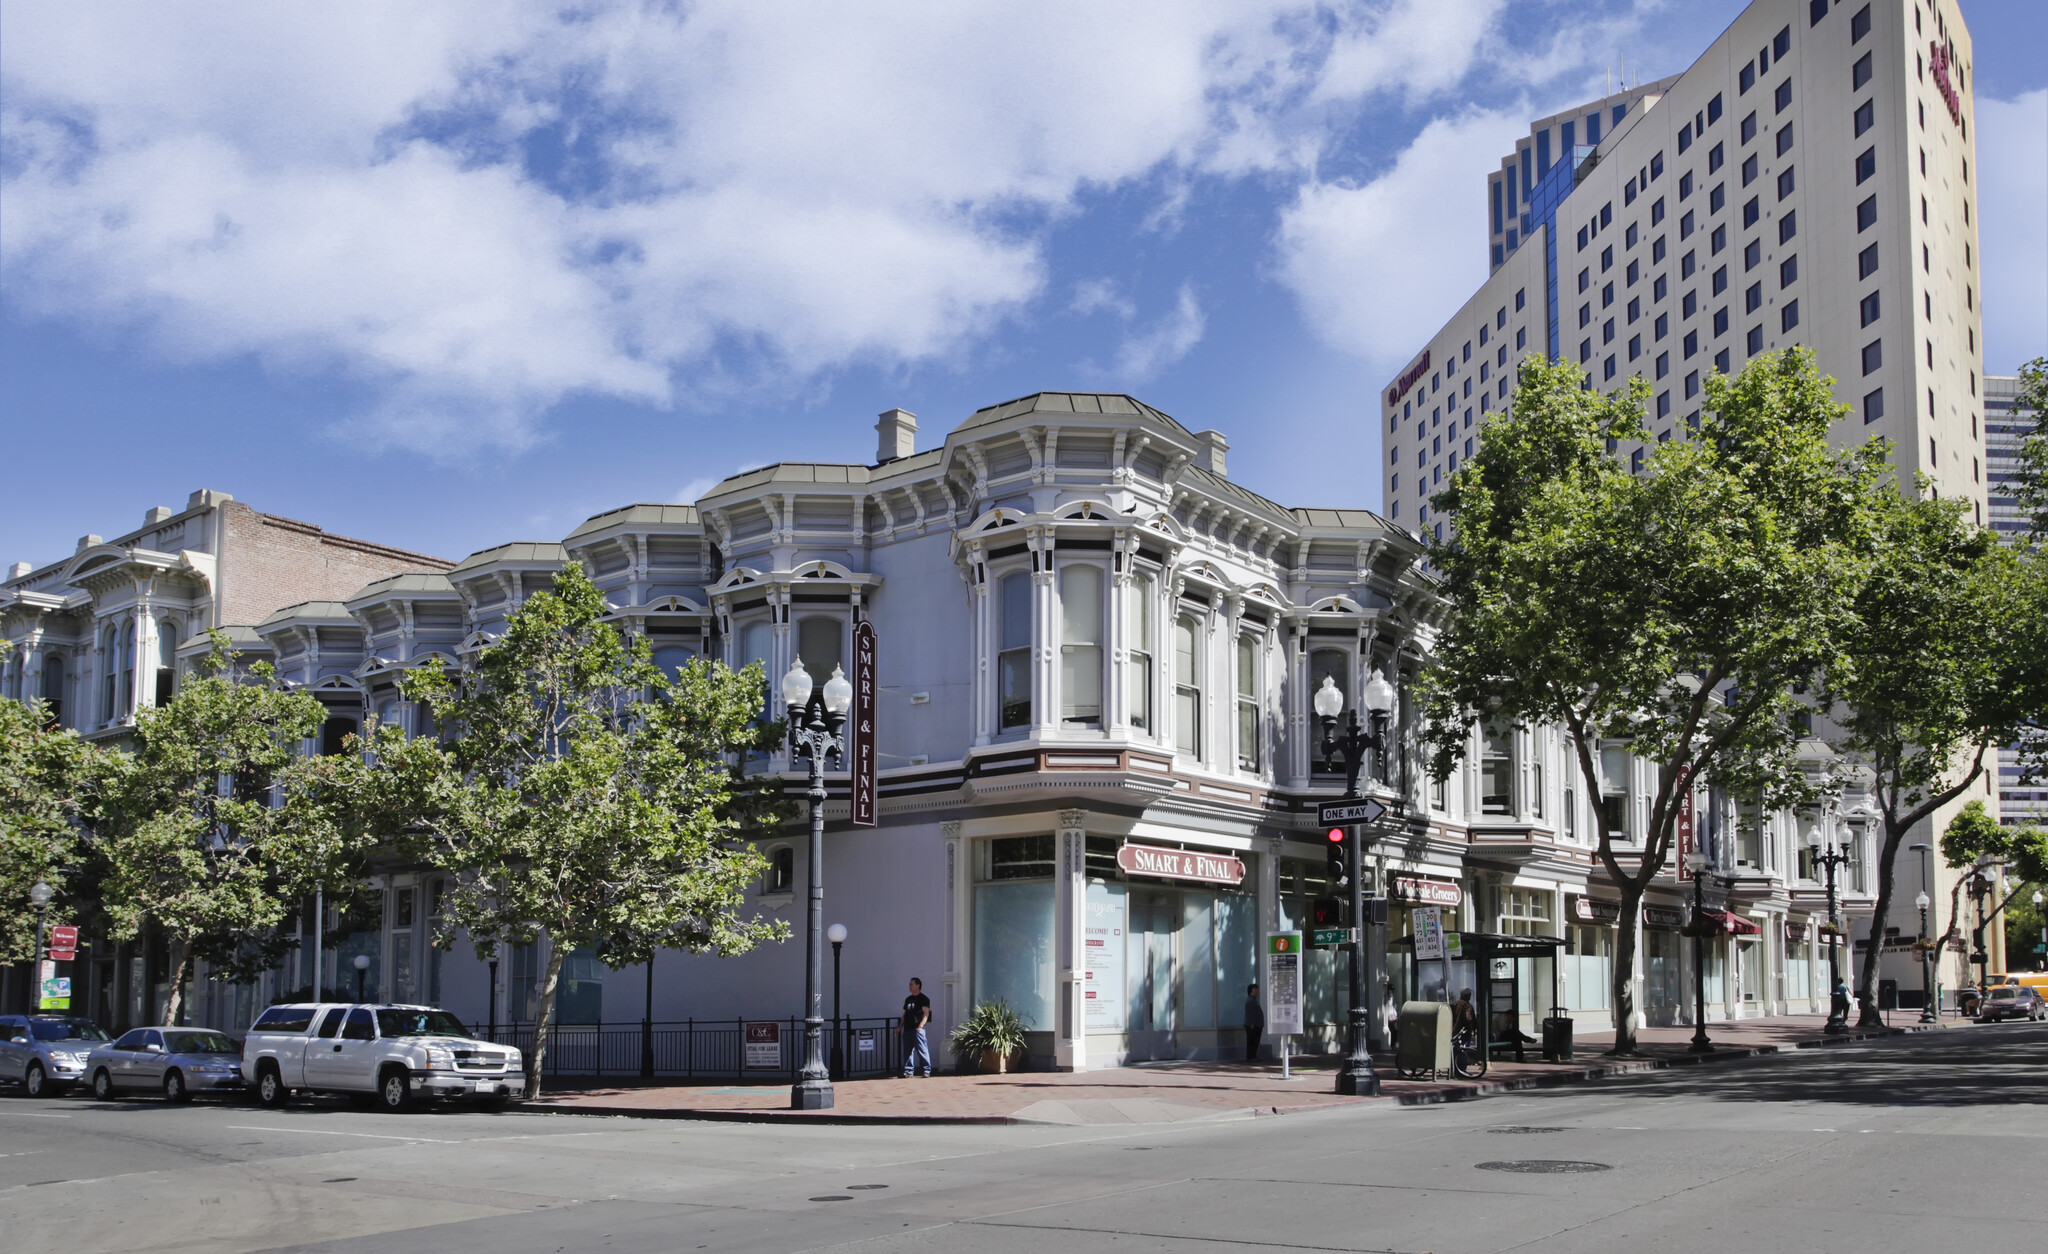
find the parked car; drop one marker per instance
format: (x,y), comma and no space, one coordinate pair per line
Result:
(45,1054)
(2011,1001)
(176,1062)
(399,1053)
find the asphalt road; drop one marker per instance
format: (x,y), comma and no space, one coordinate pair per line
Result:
(1931,1142)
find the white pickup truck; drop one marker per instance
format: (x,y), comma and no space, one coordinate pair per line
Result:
(399,1053)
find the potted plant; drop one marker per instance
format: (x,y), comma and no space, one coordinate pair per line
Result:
(993,1034)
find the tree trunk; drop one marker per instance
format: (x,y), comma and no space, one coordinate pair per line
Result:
(174,1002)
(543,1020)
(1627,930)
(1866,976)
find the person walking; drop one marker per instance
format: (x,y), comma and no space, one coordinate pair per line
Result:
(917,1015)
(1254,1022)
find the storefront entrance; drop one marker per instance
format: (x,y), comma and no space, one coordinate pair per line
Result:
(1155,919)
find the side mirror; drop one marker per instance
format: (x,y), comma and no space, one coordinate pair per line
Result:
(153,1048)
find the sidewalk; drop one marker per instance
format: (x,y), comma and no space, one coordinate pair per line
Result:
(1177,1091)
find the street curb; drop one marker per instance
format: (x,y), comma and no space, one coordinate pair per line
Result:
(1451,1092)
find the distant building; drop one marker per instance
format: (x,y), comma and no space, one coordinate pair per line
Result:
(2006,427)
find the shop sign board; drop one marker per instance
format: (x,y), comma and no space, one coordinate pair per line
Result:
(1591,910)
(1103,938)
(1685,838)
(1663,916)
(1283,983)
(764,1046)
(1429,933)
(864,755)
(1428,892)
(1352,810)
(1180,864)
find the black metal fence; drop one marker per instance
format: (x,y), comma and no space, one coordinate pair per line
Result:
(707,1048)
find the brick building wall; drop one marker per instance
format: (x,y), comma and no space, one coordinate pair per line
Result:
(269,562)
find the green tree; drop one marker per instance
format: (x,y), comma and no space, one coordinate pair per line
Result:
(1672,611)
(2030,488)
(201,833)
(45,775)
(1974,839)
(583,793)
(1932,675)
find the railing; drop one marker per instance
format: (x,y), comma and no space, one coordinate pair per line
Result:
(706,1048)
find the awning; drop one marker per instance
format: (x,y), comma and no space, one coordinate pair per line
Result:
(1733,924)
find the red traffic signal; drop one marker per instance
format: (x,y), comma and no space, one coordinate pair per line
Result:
(1336,835)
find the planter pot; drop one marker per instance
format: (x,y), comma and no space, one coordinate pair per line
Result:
(995,1062)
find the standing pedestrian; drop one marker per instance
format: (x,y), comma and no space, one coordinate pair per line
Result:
(1390,1015)
(917,1015)
(1254,1022)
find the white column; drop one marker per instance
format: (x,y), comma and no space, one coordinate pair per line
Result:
(1070,918)
(952,1002)
(1045,627)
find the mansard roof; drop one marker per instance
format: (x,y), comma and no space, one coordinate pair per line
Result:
(517,551)
(309,611)
(1066,403)
(642,514)
(412,582)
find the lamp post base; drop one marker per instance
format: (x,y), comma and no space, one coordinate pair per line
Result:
(811,1094)
(1700,1043)
(1356,1081)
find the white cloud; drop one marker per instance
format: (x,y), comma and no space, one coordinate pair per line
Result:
(479,210)
(695,488)
(1092,296)
(2012,190)
(1378,267)
(1144,354)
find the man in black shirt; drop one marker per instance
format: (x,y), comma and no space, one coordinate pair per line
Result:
(1254,1023)
(917,1013)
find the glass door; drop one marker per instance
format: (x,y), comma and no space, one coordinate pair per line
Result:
(1155,918)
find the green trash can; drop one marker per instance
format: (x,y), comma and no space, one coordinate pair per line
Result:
(1424,1049)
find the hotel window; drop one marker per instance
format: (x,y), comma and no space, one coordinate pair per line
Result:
(1685,185)
(1660,288)
(1013,659)
(1866,262)
(1751,211)
(1784,139)
(1720,279)
(1585,314)
(1635,462)
(1081,645)
(1753,299)
(1755,340)
(1187,691)
(1747,78)
(1718,198)
(1139,632)
(1607,259)
(1859,74)
(1783,99)
(1859,26)
(1718,240)
(1690,305)
(1663,363)
(1750,169)
(1684,137)
(1786,183)
(1873,406)
(1656,165)
(1663,402)
(1714,158)
(1815,11)
(1866,165)
(1496,772)
(1685,225)
(1781,44)
(1721,321)
(1249,726)
(1788,317)
(1635,272)
(1752,255)
(1521,338)
(1657,250)
(1873,357)
(1607,369)
(1630,236)
(1692,382)
(1721,361)
(1714,109)
(1585,279)
(1788,271)
(1635,308)
(1866,117)
(1606,295)
(1868,309)
(1692,341)
(1749,128)
(1685,265)
(1607,332)
(1788,226)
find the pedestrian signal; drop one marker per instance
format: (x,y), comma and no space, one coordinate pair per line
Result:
(1327,912)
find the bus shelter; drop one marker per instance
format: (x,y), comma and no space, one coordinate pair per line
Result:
(1473,961)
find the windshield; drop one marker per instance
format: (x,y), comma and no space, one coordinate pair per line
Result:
(199,1043)
(66,1030)
(419,1023)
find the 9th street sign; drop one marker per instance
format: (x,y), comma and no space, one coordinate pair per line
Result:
(1339,813)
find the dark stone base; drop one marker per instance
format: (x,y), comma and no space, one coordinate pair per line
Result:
(811,1095)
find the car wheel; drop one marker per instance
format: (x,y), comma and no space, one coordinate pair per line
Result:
(394,1090)
(103,1085)
(34,1082)
(174,1087)
(271,1094)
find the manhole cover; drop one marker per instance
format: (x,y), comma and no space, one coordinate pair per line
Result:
(833,1197)
(866,1186)
(1517,1129)
(1543,1166)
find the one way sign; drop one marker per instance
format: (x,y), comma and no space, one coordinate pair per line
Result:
(1337,813)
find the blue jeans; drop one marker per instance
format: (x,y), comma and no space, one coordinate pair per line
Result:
(919,1049)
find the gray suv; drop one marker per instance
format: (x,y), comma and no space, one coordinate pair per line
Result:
(45,1054)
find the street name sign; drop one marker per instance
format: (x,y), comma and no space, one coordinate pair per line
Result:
(1351,810)
(1333,936)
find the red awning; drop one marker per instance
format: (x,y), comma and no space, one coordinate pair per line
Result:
(1733,924)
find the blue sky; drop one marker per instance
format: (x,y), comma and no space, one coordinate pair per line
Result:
(446,276)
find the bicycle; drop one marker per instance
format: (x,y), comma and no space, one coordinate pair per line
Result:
(1468,1061)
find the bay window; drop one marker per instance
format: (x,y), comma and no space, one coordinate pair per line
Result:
(1013,655)
(1248,722)
(1496,772)
(1187,689)
(821,643)
(1081,645)
(1138,628)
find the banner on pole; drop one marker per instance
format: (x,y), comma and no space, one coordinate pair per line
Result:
(863,738)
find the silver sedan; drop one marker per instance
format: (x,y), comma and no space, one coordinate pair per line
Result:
(176,1062)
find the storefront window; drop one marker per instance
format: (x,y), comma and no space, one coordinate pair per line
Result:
(1525,912)
(1664,982)
(1753,972)
(1798,969)
(1013,954)
(1588,966)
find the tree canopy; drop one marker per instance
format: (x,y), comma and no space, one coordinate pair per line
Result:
(44,774)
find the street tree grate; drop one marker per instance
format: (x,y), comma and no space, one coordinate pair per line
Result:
(1543,1166)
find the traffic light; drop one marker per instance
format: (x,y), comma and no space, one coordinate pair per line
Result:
(1339,863)
(1326,912)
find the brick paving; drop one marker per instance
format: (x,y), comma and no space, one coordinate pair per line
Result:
(1172,1092)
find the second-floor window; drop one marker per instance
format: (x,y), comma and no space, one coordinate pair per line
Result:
(820,641)
(1187,685)
(1248,722)
(1496,773)
(1081,645)
(1614,790)
(1336,664)
(1013,650)
(1139,635)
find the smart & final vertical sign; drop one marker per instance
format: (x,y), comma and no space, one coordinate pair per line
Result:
(864,724)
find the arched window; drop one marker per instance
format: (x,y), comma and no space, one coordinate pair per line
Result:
(781,877)
(820,642)
(1187,687)
(1250,727)
(1081,645)
(1013,650)
(166,661)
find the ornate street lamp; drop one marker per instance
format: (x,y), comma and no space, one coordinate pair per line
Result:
(1696,862)
(39,897)
(362,964)
(1356,1078)
(815,717)
(1829,855)
(1926,948)
(1980,889)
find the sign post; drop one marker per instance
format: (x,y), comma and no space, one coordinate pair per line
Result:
(863,737)
(1283,989)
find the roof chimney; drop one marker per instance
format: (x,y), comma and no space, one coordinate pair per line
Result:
(19,570)
(1210,455)
(896,435)
(206,498)
(156,514)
